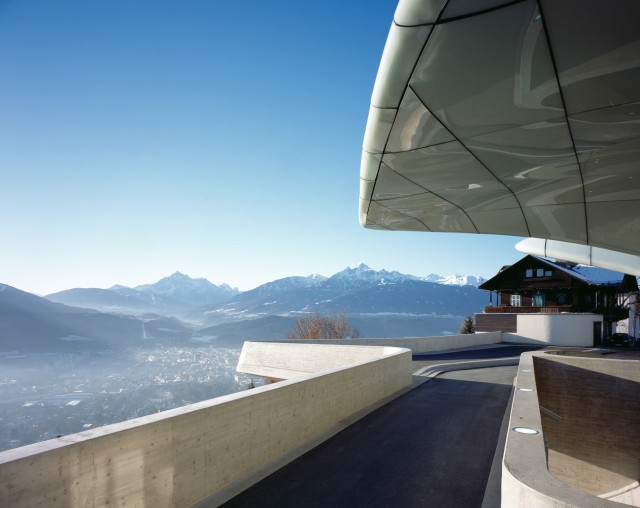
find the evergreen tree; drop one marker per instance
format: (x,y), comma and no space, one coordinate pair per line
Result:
(468,325)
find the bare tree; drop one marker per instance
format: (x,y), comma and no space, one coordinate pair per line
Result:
(319,326)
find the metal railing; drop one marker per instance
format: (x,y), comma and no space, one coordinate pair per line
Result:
(511,309)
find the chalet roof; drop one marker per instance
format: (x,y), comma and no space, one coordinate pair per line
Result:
(586,274)
(590,274)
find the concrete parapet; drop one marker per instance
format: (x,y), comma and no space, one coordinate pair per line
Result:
(563,329)
(288,360)
(585,411)
(419,345)
(180,457)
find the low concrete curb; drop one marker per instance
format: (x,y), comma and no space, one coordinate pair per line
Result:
(431,371)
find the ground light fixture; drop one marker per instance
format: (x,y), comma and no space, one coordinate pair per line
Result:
(525,430)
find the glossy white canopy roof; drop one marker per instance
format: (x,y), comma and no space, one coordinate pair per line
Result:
(515,118)
(582,254)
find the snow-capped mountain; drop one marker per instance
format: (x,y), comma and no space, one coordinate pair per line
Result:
(185,289)
(354,290)
(280,286)
(357,290)
(379,302)
(455,280)
(362,276)
(171,295)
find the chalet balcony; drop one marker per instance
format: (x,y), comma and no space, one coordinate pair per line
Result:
(510,309)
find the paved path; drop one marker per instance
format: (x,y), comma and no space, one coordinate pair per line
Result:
(431,447)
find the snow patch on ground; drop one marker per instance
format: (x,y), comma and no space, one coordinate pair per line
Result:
(407,314)
(75,338)
(204,338)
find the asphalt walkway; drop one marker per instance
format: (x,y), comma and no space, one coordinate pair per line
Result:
(434,446)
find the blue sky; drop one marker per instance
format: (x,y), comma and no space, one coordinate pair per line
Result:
(218,138)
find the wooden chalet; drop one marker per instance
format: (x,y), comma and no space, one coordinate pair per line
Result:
(535,284)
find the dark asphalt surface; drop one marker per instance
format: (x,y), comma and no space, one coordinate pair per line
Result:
(431,447)
(476,354)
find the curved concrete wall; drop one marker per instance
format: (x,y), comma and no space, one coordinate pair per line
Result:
(591,421)
(288,360)
(554,329)
(419,345)
(180,457)
(577,406)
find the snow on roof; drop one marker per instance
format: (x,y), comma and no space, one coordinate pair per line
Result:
(598,275)
(591,274)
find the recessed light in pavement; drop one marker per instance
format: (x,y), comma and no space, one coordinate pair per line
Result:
(525,430)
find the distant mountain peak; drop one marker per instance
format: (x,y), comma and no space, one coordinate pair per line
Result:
(177,275)
(177,278)
(455,279)
(359,269)
(362,276)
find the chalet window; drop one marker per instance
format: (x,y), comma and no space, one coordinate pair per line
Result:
(516,301)
(537,272)
(538,299)
(561,299)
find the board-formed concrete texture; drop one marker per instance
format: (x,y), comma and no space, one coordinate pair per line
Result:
(419,345)
(289,360)
(180,457)
(585,412)
(508,117)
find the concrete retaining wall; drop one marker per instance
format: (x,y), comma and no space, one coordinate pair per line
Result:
(288,360)
(419,345)
(182,456)
(585,411)
(591,422)
(554,329)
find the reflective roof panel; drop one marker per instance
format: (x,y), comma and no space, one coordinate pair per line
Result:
(488,72)
(596,50)
(415,127)
(517,118)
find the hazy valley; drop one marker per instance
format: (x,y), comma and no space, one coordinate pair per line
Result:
(83,358)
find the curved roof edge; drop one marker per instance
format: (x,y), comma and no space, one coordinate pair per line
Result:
(583,254)
(409,31)
(508,118)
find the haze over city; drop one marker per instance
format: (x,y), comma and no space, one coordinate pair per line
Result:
(219,139)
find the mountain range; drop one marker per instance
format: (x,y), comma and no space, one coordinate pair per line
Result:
(175,295)
(359,290)
(30,322)
(180,308)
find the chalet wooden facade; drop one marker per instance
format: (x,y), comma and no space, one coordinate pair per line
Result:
(537,285)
